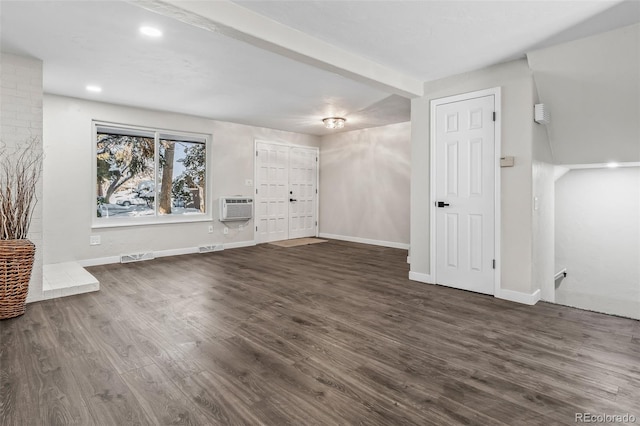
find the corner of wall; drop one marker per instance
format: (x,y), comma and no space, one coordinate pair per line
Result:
(20,121)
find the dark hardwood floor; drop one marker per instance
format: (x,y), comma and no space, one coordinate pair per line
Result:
(321,334)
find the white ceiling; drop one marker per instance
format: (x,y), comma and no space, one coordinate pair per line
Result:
(196,70)
(432,39)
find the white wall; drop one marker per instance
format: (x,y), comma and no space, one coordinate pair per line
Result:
(364,184)
(69,191)
(516,126)
(592,89)
(598,240)
(21,120)
(543,224)
(543,212)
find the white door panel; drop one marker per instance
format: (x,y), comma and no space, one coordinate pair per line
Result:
(272,181)
(283,174)
(302,184)
(465,182)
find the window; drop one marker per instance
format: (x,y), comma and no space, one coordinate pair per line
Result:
(149,176)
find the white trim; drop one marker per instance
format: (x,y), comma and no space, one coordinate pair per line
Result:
(99,261)
(599,165)
(239,244)
(161,253)
(409,260)
(176,252)
(292,145)
(124,222)
(518,297)
(390,244)
(423,278)
(497,99)
(497,244)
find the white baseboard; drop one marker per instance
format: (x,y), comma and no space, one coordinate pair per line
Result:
(409,259)
(239,244)
(390,244)
(518,297)
(423,278)
(176,252)
(160,253)
(99,261)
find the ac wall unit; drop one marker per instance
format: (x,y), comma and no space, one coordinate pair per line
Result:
(236,208)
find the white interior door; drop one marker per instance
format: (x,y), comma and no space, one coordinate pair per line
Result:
(465,194)
(303,169)
(272,195)
(286,192)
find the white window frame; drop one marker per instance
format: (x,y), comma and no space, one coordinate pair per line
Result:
(207,216)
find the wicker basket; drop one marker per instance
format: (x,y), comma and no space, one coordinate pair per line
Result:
(16,263)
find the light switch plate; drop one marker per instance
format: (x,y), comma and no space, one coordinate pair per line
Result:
(94,240)
(248,182)
(507,161)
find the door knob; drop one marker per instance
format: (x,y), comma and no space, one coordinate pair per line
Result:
(292,200)
(442,204)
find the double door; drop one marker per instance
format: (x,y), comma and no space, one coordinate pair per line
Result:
(286,180)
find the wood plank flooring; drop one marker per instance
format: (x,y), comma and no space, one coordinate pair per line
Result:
(322,334)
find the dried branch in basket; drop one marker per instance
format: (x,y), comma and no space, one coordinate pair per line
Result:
(20,170)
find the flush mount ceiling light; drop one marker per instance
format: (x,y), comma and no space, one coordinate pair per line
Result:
(334,122)
(93,88)
(150,32)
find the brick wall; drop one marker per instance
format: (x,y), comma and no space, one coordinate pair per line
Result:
(20,121)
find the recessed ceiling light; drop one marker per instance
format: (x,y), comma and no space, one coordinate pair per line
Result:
(94,89)
(612,165)
(150,32)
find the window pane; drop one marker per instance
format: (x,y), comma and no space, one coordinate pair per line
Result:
(181,177)
(125,174)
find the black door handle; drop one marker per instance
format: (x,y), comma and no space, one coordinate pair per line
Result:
(442,204)
(292,200)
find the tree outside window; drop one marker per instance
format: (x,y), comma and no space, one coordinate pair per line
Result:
(132,163)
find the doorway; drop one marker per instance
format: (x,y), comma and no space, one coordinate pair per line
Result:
(286,179)
(465,191)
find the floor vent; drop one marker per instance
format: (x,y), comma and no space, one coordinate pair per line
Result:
(136,257)
(208,249)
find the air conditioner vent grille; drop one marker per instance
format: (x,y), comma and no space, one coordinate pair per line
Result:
(236,208)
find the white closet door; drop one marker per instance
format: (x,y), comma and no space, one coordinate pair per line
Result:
(465,194)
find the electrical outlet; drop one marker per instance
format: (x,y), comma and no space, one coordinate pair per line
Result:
(211,229)
(226,230)
(94,240)
(240,228)
(248,182)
